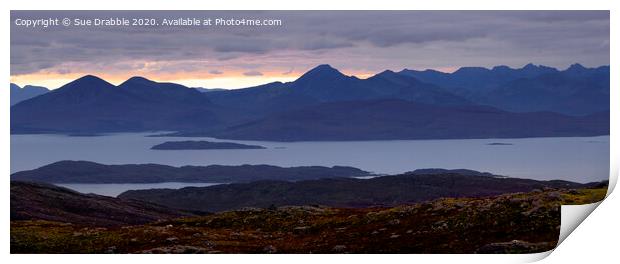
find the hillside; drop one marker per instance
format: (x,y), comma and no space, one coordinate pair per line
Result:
(37,201)
(510,223)
(383,191)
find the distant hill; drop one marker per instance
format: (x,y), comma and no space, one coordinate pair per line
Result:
(90,172)
(19,94)
(399,119)
(574,91)
(341,192)
(37,201)
(90,104)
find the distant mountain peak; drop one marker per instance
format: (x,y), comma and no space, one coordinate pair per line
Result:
(431,71)
(89,80)
(465,70)
(576,67)
(89,77)
(324,67)
(387,73)
(138,80)
(531,68)
(501,68)
(322,71)
(391,75)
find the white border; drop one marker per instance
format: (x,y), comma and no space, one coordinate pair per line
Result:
(597,233)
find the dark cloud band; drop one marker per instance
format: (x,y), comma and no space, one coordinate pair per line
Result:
(372,40)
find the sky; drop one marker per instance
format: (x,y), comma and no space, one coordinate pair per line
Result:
(360,43)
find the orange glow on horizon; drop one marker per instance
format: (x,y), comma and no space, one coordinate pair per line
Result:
(227,80)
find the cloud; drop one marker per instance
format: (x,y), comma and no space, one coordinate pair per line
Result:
(319,44)
(239,45)
(63,70)
(289,71)
(355,40)
(215,72)
(253,73)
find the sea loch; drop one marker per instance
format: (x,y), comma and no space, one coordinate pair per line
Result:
(579,159)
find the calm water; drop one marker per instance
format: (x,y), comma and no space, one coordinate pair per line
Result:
(115,189)
(580,159)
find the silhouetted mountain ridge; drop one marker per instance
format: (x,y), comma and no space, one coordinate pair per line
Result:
(576,90)
(326,84)
(279,111)
(90,104)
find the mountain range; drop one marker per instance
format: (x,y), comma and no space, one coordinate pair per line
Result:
(90,104)
(574,91)
(400,119)
(324,104)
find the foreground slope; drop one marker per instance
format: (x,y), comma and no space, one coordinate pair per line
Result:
(510,223)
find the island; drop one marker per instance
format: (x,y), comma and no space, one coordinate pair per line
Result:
(85,135)
(90,172)
(500,144)
(196,145)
